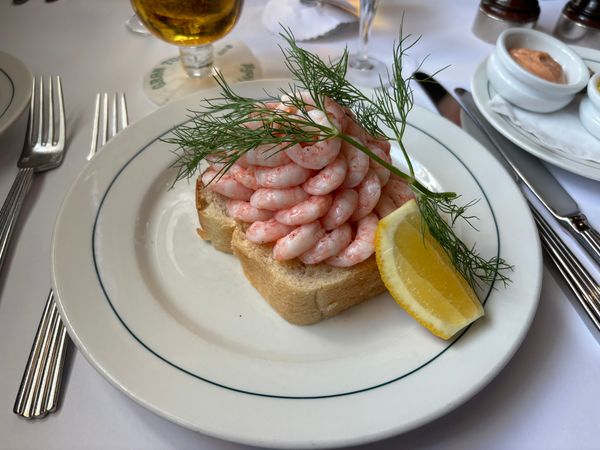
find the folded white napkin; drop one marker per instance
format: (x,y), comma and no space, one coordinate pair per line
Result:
(305,21)
(560,131)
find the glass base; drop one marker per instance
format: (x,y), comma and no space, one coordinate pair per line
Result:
(367,72)
(198,61)
(168,81)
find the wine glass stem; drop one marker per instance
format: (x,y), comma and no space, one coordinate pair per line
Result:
(197,60)
(367,12)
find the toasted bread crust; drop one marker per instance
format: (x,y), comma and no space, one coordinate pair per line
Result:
(301,294)
(215,225)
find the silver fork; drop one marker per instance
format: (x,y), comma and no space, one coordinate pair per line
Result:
(585,289)
(41,152)
(40,386)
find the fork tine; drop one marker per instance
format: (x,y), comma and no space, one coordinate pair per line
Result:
(40,124)
(62,128)
(123,112)
(50,138)
(110,117)
(31,112)
(113,116)
(95,129)
(104,118)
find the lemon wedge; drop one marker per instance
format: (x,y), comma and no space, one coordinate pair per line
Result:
(420,276)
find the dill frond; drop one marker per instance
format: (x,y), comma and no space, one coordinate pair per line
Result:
(231,125)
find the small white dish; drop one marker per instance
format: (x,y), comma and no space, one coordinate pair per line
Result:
(526,90)
(589,108)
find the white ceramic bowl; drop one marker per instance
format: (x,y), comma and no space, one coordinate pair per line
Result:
(589,108)
(521,87)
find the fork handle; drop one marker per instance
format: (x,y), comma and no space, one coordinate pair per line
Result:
(582,284)
(40,385)
(590,239)
(32,374)
(11,208)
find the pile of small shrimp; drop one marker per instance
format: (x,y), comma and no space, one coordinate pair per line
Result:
(318,201)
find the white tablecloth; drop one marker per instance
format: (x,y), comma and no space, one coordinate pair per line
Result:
(547,396)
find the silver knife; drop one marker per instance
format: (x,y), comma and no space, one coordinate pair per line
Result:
(527,168)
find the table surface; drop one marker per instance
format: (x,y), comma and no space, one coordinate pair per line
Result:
(546,397)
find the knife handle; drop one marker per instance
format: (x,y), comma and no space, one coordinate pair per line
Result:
(587,236)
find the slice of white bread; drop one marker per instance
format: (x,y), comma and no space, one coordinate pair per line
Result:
(301,294)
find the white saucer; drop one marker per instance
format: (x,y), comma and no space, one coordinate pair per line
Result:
(482,94)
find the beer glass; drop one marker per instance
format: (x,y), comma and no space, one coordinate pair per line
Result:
(135,25)
(193,25)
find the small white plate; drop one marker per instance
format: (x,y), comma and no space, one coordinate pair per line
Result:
(175,325)
(15,90)
(483,93)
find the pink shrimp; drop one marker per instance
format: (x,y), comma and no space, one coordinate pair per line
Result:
(242,162)
(268,155)
(299,241)
(246,176)
(354,129)
(306,211)
(385,206)
(358,164)
(398,190)
(329,245)
(276,199)
(219,160)
(245,212)
(226,185)
(256,123)
(259,123)
(264,232)
(286,176)
(382,173)
(319,154)
(361,247)
(303,96)
(328,179)
(287,108)
(336,113)
(369,191)
(382,143)
(343,206)
(215,163)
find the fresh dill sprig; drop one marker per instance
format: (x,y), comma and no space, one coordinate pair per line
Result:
(231,125)
(472,266)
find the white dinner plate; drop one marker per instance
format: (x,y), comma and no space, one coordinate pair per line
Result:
(176,326)
(483,93)
(15,90)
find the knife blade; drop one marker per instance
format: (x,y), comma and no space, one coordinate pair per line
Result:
(525,167)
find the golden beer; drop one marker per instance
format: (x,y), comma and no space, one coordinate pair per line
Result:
(188,22)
